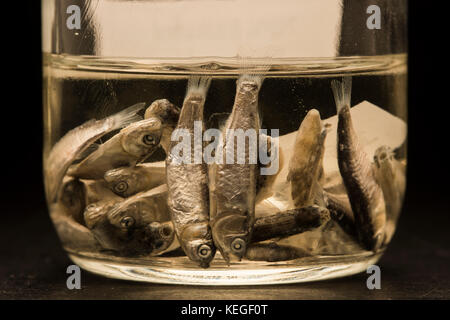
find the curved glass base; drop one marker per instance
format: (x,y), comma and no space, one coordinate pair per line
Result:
(159,270)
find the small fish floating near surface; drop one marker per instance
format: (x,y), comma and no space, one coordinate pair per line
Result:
(76,141)
(127,181)
(306,162)
(365,195)
(390,175)
(188,182)
(232,207)
(130,146)
(128,226)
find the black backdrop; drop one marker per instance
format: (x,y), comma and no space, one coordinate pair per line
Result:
(22,192)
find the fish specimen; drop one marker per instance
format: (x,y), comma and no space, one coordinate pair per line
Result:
(390,175)
(288,223)
(365,195)
(76,141)
(187,180)
(305,164)
(232,207)
(126,225)
(273,252)
(367,120)
(127,181)
(130,146)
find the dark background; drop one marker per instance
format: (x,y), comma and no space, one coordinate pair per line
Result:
(32,264)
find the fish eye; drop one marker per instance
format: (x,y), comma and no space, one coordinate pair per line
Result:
(238,245)
(149,140)
(166,232)
(127,222)
(91,206)
(204,251)
(120,187)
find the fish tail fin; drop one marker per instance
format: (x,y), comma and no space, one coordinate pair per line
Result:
(342,91)
(254,71)
(198,86)
(127,116)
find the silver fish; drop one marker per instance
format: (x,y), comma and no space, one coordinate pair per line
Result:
(272,252)
(127,181)
(127,226)
(76,141)
(306,163)
(188,182)
(232,208)
(390,175)
(365,195)
(130,146)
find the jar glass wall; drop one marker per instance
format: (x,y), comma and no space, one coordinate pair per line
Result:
(224,142)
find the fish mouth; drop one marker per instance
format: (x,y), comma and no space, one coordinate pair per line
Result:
(161,236)
(382,155)
(200,251)
(197,243)
(231,236)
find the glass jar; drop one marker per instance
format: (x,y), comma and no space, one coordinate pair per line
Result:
(224,142)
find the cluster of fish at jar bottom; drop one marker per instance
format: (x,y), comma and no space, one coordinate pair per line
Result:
(109,198)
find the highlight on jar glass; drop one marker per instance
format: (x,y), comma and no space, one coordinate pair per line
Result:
(224,142)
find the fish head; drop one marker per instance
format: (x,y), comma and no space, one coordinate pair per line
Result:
(383,155)
(96,212)
(164,110)
(96,220)
(142,138)
(162,235)
(197,243)
(124,181)
(383,160)
(231,235)
(130,232)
